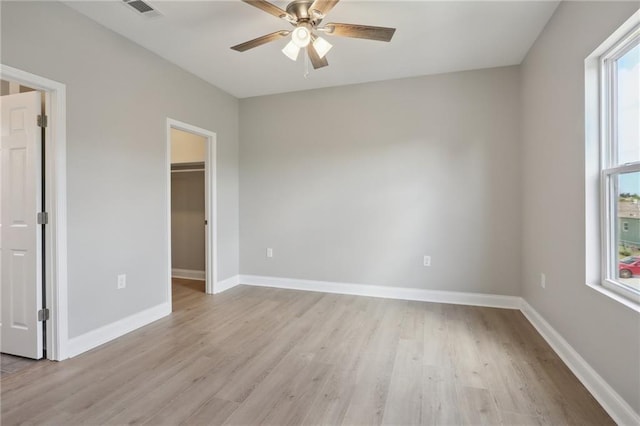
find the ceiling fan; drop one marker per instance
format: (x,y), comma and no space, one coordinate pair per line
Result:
(306,16)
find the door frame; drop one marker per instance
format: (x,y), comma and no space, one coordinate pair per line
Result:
(55,173)
(210,207)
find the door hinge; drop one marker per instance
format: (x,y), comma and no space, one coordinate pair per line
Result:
(43,314)
(43,121)
(42,218)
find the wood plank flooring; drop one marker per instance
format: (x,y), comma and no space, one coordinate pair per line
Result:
(268,356)
(10,364)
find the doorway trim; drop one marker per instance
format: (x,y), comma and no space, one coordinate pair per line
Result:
(210,208)
(55,203)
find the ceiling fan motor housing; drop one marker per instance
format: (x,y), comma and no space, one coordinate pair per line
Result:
(300,10)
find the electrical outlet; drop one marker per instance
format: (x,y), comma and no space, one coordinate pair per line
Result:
(427,261)
(269,252)
(543,280)
(122,281)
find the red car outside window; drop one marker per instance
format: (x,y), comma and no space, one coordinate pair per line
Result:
(629,266)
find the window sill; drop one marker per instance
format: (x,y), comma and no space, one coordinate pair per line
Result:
(615,296)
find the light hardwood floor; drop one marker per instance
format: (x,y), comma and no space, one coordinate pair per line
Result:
(268,356)
(10,364)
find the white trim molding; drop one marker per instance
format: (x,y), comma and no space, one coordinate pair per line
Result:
(189,274)
(402,293)
(226,284)
(104,334)
(611,401)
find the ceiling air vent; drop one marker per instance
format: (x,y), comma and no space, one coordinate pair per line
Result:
(142,8)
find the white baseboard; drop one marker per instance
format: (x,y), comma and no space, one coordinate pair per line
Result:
(104,334)
(402,293)
(226,284)
(611,401)
(188,274)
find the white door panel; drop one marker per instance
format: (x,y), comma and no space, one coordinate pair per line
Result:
(21,240)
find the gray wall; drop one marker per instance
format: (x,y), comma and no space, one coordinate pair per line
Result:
(357,183)
(187,220)
(604,332)
(118,98)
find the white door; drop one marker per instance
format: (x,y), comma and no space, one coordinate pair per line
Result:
(21,239)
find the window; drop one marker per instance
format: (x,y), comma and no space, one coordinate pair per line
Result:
(620,166)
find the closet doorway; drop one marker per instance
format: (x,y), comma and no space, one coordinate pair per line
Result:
(192,231)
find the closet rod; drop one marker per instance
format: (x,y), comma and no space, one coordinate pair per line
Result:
(187,170)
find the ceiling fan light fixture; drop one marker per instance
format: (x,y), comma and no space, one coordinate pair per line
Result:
(291,50)
(322,46)
(301,36)
(306,17)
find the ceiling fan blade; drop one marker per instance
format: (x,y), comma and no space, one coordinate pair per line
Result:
(316,60)
(260,40)
(323,6)
(270,8)
(360,31)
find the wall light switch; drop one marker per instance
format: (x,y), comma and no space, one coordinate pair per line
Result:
(269,252)
(543,281)
(427,261)
(122,281)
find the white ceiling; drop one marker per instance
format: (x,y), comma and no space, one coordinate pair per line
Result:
(431,37)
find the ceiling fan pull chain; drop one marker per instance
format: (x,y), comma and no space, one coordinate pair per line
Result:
(305,59)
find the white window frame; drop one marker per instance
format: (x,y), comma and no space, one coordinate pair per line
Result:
(609,166)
